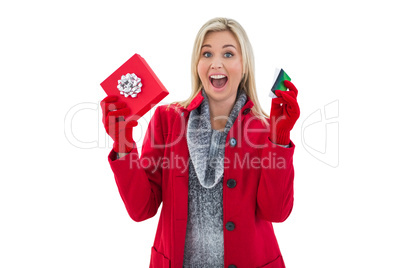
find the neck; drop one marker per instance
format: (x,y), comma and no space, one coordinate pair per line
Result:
(219,113)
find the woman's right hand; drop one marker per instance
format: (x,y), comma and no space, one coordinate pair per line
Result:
(117,128)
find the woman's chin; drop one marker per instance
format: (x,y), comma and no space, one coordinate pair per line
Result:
(217,89)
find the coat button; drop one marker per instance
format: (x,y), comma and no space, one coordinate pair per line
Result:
(246,111)
(182,113)
(230,226)
(233,142)
(231,183)
(232,266)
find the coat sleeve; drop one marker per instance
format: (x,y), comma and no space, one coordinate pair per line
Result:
(275,188)
(139,179)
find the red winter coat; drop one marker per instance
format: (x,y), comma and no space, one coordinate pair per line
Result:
(258,188)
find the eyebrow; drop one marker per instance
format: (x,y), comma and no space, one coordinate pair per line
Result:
(225,46)
(229,46)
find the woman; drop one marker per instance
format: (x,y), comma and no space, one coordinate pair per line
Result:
(222,169)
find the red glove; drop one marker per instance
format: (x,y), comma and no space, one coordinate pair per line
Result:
(283,117)
(118,129)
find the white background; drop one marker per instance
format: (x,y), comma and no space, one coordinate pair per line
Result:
(59,205)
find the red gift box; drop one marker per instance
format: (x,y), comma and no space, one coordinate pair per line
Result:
(151,88)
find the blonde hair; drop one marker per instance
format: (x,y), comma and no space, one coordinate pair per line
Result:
(248,81)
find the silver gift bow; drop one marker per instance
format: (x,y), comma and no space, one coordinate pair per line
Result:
(129,85)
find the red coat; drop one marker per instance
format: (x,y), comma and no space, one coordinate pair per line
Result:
(257,179)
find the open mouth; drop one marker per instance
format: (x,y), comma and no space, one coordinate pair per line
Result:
(218,80)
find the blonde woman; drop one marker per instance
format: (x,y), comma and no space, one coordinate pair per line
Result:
(221,168)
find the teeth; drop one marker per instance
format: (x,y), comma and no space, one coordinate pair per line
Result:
(217,76)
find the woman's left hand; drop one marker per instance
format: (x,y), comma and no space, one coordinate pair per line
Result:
(284,113)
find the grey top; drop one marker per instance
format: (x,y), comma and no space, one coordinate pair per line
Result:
(204,236)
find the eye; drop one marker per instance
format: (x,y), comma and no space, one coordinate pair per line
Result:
(207,54)
(228,55)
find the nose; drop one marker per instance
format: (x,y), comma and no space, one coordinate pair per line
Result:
(216,64)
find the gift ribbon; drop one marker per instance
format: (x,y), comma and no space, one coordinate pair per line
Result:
(129,85)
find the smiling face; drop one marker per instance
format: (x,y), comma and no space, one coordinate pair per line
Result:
(220,67)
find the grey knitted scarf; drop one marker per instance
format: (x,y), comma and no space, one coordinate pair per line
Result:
(205,155)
